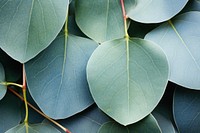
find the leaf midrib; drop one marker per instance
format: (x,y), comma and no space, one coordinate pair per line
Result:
(128,75)
(183,42)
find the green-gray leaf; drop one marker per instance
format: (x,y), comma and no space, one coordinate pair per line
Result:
(10,113)
(127,78)
(57,77)
(147,125)
(186,110)
(36,128)
(153,11)
(3,88)
(100,20)
(29,26)
(88,121)
(180,41)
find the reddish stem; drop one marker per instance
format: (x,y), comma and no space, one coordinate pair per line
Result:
(123,9)
(125,17)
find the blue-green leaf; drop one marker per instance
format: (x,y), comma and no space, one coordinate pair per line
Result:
(29,26)
(153,11)
(165,123)
(57,77)
(186,110)
(147,125)
(127,78)
(3,88)
(193,5)
(100,20)
(88,121)
(10,113)
(35,128)
(180,39)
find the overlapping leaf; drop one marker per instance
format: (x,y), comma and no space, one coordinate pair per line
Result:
(57,79)
(153,11)
(29,26)
(186,110)
(127,78)
(100,20)
(2,79)
(88,121)
(180,41)
(37,128)
(10,114)
(164,123)
(147,125)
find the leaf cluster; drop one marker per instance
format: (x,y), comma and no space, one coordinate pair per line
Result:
(100,66)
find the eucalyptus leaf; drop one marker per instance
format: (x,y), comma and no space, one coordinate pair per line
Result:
(3,88)
(56,78)
(165,124)
(180,39)
(127,78)
(153,11)
(147,125)
(10,114)
(186,110)
(100,20)
(35,128)
(88,121)
(29,26)
(163,111)
(193,5)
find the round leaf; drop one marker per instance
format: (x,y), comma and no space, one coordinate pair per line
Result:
(127,78)
(193,5)
(10,113)
(147,125)
(29,26)
(164,123)
(57,79)
(3,88)
(186,110)
(36,128)
(88,121)
(153,11)
(100,20)
(180,41)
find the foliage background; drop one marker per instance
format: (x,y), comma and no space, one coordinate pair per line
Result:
(55,45)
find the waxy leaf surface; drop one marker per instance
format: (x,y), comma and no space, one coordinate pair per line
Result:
(127,78)
(180,42)
(100,20)
(29,26)
(36,128)
(147,125)
(3,88)
(153,11)
(57,77)
(186,110)
(10,113)
(88,121)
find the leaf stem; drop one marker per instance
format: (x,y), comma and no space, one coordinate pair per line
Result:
(38,111)
(25,99)
(11,83)
(66,24)
(125,18)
